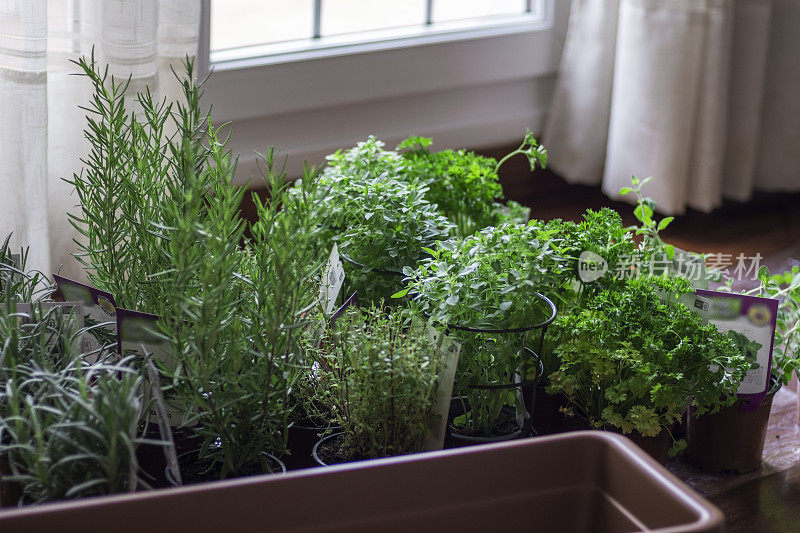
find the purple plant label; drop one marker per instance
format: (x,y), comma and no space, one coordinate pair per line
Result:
(100,308)
(750,322)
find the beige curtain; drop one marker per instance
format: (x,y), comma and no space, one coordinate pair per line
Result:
(41,125)
(700,94)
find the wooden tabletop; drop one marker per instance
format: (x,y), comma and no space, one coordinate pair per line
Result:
(767,500)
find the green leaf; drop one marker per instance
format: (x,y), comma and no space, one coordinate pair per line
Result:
(665,222)
(401,294)
(625,190)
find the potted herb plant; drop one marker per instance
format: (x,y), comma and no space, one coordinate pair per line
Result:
(732,439)
(465,186)
(164,234)
(384,373)
(68,428)
(493,282)
(631,359)
(382,223)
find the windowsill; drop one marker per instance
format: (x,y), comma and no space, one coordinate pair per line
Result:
(377,41)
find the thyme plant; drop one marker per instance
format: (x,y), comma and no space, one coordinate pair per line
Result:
(385,382)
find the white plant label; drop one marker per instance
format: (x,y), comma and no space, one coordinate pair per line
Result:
(449,350)
(332,281)
(162,417)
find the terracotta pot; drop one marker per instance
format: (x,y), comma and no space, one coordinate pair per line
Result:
(729,441)
(301,442)
(10,491)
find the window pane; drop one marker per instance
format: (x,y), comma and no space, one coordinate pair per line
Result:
(348,16)
(444,10)
(236,23)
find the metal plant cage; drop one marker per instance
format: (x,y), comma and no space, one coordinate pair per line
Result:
(525,386)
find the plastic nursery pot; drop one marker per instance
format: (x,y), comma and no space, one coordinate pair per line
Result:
(656,447)
(301,442)
(152,460)
(573,483)
(508,417)
(547,416)
(318,451)
(10,491)
(280,468)
(729,441)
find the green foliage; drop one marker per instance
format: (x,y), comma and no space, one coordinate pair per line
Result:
(748,348)
(490,281)
(385,375)
(531,149)
(649,228)
(160,214)
(68,429)
(784,287)
(463,185)
(71,432)
(632,358)
(379,220)
(17,282)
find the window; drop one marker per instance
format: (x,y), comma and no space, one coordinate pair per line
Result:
(312,76)
(280,30)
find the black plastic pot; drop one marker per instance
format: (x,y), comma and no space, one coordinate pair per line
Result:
(152,460)
(316,449)
(10,491)
(281,470)
(301,442)
(457,440)
(729,441)
(656,447)
(547,416)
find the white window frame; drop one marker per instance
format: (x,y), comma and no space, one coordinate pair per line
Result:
(344,69)
(312,89)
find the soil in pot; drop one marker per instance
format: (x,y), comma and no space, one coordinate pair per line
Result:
(504,428)
(330,451)
(193,471)
(301,441)
(729,441)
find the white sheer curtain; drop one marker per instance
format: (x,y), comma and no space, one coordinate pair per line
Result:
(704,95)
(41,124)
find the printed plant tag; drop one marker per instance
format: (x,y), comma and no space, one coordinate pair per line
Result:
(350,302)
(137,333)
(449,350)
(73,308)
(332,280)
(100,309)
(750,322)
(162,417)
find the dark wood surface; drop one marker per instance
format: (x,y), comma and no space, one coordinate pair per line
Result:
(767,500)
